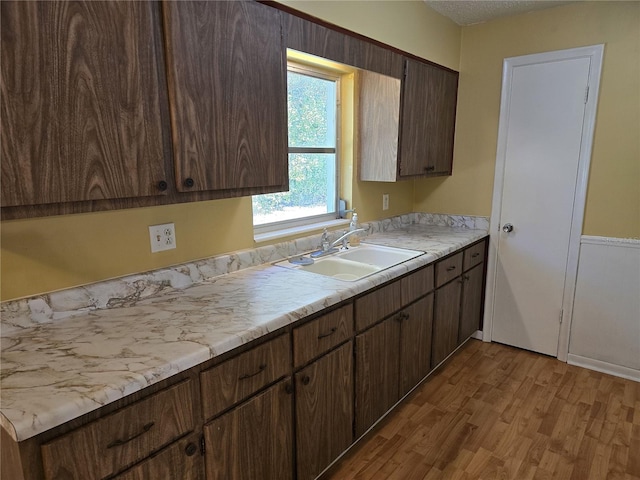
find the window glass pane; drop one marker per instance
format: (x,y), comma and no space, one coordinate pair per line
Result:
(311,110)
(312,187)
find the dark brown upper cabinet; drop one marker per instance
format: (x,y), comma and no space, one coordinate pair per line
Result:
(227,95)
(80,102)
(119,104)
(406,128)
(309,37)
(428,117)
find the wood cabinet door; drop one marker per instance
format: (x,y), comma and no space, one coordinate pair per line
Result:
(378,126)
(182,460)
(324,411)
(428,116)
(376,372)
(254,440)
(445,321)
(80,101)
(471,302)
(227,95)
(415,343)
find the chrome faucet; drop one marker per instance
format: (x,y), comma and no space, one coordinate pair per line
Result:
(327,247)
(345,236)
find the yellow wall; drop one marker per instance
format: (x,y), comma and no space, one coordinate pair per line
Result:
(613,198)
(46,254)
(51,253)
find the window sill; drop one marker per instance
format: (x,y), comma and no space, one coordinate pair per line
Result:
(293,231)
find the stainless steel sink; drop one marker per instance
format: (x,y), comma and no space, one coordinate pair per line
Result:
(357,262)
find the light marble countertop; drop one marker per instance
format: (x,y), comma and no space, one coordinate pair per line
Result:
(54,372)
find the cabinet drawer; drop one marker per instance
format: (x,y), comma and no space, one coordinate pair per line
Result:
(321,334)
(448,269)
(109,445)
(417,284)
(181,460)
(474,255)
(376,305)
(236,379)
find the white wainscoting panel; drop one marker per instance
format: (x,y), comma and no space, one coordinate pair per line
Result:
(605,328)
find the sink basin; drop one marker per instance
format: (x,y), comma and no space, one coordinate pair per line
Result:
(357,262)
(341,269)
(382,257)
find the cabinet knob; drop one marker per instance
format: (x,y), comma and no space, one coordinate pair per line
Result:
(288,388)
(188,182)
(430,168)
(162,185)
(451,268)
(190,449)
(306,380)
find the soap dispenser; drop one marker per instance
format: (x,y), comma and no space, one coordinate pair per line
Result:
(354,238)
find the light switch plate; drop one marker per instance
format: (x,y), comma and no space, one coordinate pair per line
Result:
(163,237)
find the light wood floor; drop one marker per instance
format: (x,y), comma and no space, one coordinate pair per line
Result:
(496,412)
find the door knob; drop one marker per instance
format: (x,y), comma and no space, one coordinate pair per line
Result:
(507,228)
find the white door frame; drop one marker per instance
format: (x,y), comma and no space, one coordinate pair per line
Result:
(595,52)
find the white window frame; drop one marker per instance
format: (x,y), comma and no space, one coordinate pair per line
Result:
(323,219)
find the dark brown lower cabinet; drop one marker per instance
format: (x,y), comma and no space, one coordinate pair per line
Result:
(324,411)
(391,359)
(245,405)
(181,460)
(111,444)
(415,343)
(445,321)
(254,440)
(472,282)
(377,364)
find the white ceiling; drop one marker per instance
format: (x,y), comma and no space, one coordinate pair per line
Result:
(468,12)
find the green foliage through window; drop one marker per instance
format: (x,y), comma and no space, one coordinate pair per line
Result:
(312,116)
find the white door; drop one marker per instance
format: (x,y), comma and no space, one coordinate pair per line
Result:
(542,125)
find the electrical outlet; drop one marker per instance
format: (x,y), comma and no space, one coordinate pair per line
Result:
(163,237)
(385,201)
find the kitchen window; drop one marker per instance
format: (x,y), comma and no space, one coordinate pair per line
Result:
(313,101)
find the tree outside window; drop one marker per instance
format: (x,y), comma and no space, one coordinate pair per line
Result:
(312,101)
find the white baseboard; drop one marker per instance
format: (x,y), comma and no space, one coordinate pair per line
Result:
(477,334)
(604,367)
